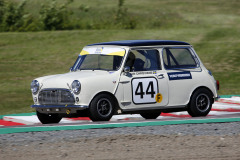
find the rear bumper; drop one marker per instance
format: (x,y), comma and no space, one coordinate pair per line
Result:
(216,98)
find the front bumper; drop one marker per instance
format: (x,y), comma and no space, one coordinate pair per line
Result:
(68,109)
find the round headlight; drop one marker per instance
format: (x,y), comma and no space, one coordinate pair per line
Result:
(76,87)
(34,86)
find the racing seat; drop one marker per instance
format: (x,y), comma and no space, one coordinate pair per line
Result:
(138,65)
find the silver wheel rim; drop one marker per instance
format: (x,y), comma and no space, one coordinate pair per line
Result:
(202,102)
(104,107)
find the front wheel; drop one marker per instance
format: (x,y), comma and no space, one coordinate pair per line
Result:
(48,118)
(200,103)
(102,108)
(150,115)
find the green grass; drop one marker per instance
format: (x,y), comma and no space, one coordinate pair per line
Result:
(212,27)
(150,14)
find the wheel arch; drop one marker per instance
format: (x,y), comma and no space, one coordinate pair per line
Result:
(202,87)
(110,94)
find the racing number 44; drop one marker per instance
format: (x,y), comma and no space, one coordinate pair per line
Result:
(150,90)
(144,90)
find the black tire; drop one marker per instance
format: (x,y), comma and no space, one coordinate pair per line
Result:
(48,118)
(102,108)
(150,115)
(200,103)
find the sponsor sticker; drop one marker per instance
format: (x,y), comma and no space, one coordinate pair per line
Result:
(68,111)
(179,75)
(159,98)
(144,72)
(104,51)
(99,50)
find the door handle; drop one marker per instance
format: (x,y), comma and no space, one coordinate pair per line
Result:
(160,76)
(124,81)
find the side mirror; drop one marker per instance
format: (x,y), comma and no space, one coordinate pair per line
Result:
(126,69)
(71,69)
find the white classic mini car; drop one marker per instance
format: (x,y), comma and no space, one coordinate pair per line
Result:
(143,77)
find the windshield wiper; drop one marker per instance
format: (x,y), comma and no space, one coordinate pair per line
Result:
(93,69)
(86,69)
(101,69)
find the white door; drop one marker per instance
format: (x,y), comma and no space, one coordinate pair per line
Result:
(146,85)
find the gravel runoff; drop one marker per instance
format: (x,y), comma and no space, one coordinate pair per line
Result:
(215,141)
(209,129)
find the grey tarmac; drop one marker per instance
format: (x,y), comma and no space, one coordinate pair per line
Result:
(186,141)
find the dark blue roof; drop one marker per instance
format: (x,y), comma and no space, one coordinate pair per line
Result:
(142,43)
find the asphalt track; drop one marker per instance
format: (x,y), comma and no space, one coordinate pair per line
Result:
(225,110)
(93,125)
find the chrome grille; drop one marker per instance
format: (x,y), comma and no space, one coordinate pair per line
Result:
(55,97)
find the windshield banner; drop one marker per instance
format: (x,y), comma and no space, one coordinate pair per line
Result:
(104,51)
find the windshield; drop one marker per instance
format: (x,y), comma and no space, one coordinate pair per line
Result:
(99,59)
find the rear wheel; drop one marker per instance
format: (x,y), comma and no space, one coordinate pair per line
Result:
(48,118)
(200,103)
(102,108)
(150,115)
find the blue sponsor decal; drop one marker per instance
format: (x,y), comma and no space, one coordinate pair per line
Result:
(179,75)
(99,50)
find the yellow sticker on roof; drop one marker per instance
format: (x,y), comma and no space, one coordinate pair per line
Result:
(104,51)
(119,53)
(83,52)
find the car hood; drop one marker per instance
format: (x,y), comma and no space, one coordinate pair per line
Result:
(65,80)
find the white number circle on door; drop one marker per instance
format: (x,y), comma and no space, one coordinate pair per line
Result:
(144,90)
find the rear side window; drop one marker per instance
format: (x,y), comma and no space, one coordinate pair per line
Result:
(174,58)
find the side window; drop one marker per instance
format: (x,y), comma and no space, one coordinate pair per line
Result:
(178,58)
(143,60)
